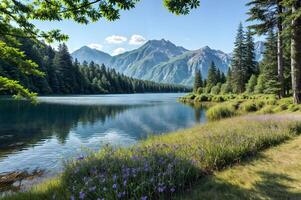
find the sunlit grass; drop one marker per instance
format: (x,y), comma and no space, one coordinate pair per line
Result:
(163,166)
(275,174)
(225,106)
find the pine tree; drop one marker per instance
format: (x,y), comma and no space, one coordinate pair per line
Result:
(197,80)
(269,65)
(250,87)
(269,15)
(212,75)
(238,64)
(251,63)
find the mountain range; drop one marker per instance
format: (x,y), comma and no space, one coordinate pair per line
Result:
(162,61)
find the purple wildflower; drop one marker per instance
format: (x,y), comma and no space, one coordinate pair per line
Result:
(114,186)
(72,198)
(82,195)
(124,183)
(144,198)
(160,189)
(172,190)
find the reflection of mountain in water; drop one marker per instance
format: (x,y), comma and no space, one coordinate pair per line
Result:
(139,122)
(24,124)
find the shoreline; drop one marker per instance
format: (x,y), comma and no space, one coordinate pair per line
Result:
(185,140)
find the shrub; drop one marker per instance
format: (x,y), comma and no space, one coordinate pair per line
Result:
(190,96)
(218,98)
(215,90)
(220,111)
(281,107)
(267,109)
(200,91)
(248,106)
(293,108)
(259,104)
(204,97)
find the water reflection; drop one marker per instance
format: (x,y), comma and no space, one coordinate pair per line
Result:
(42,136)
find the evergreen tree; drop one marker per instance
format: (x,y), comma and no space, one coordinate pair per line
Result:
(269,65)
(212,75)
(197,80)
(238,64)
(223,78)
(269,15)
(251,63)
(250,87)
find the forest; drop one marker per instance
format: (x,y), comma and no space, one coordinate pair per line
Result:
(62,75)
(278,72)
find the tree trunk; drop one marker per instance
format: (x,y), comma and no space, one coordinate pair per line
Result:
(280,52)
(296,54)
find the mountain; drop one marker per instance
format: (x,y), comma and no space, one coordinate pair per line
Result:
(259,49)
(88,54)
(163,61)
(140,61)
(181,69)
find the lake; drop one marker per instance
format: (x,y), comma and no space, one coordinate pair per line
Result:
(63,127)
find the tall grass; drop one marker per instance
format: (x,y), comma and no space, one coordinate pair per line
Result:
(164,165)
(243,104)
(220,111)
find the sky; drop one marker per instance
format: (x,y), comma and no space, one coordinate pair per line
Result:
(213,24)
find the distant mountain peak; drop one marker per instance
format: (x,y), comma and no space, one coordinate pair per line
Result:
(88,54)
(163,61)
(206,48)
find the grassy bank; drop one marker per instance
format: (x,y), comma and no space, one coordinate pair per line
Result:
(224,106)
(164,166)
(274,175)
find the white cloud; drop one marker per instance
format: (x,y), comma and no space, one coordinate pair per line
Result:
(118,51)
(116,39)
(137,40)
(95,46)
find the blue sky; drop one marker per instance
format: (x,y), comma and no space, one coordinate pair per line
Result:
(213,24)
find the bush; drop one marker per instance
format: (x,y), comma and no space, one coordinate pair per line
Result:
(215,90)
(218,98)
(293,108)
(281,107)
(248,106)
(269,109)
(220,111)
(200,91)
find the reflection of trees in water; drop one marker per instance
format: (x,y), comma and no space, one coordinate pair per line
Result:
(23,124)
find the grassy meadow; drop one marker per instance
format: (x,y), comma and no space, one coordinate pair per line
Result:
(162,167)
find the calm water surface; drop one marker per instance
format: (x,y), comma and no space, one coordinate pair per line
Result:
(43,136)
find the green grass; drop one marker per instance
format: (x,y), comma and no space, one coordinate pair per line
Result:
(274,174)
(225,106)
(162,167)
(220,111)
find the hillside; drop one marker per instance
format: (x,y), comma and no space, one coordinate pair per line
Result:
(163,61)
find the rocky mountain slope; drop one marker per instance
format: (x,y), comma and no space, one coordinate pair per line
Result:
(163,61)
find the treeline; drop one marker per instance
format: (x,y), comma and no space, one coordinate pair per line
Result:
(280,70)
(246,74)
(62,75)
